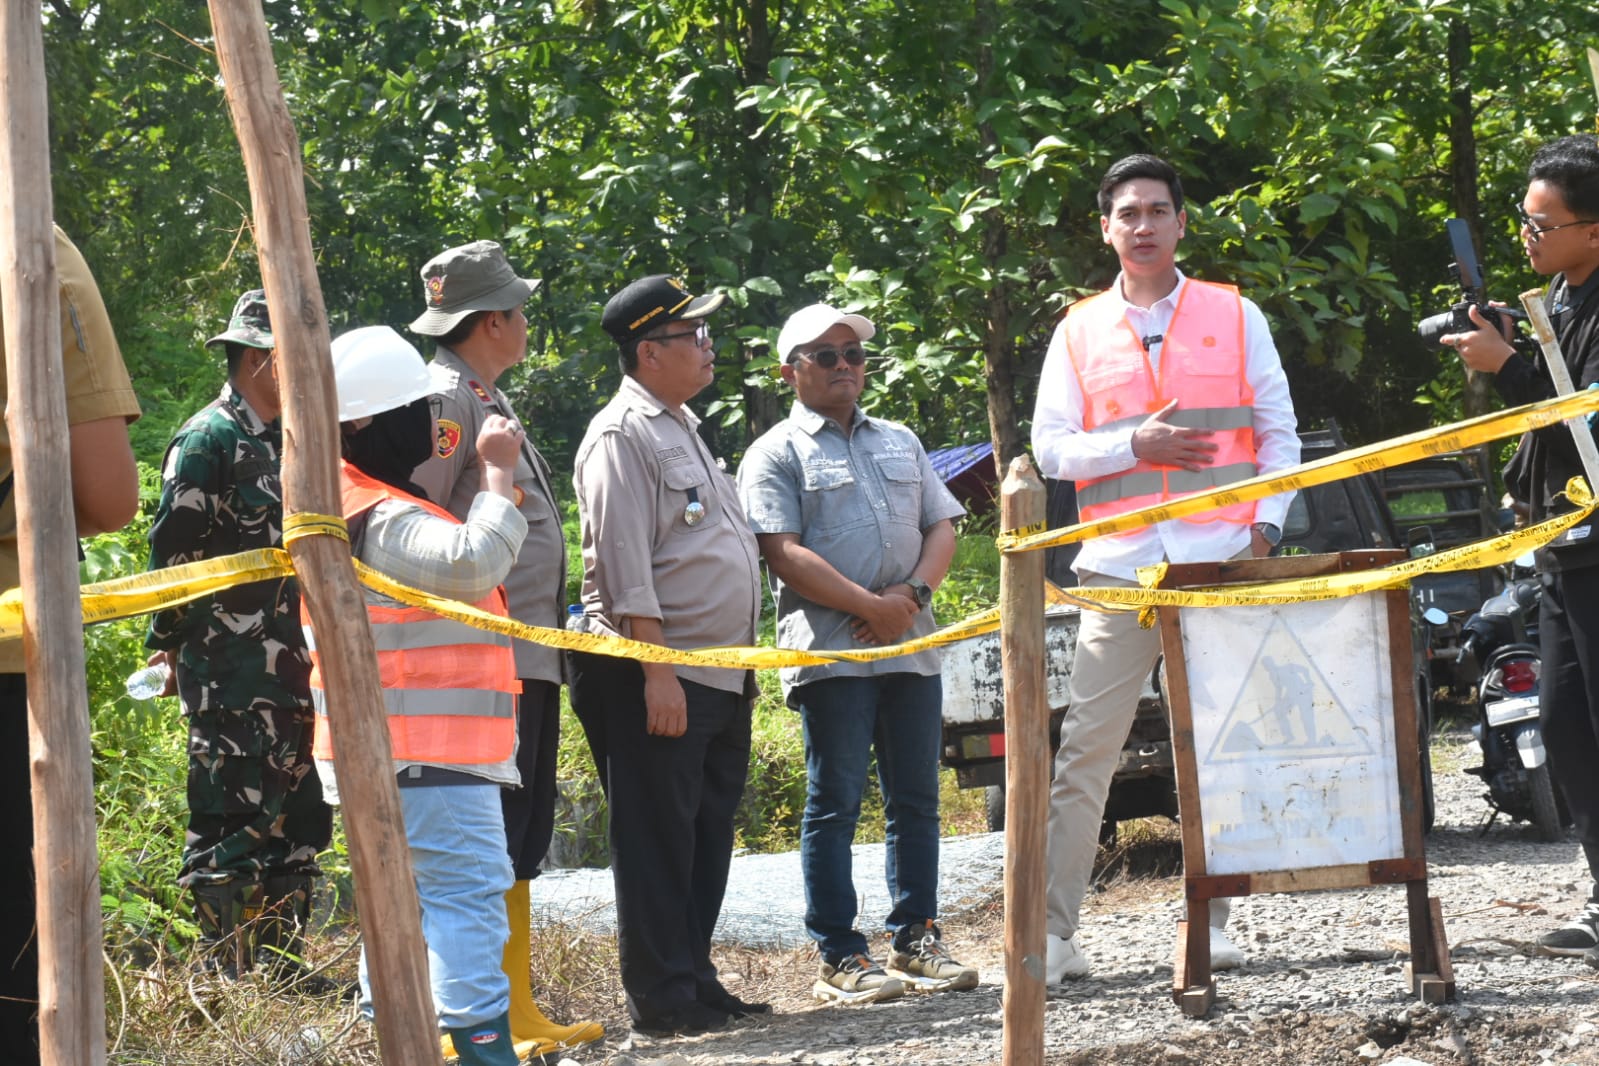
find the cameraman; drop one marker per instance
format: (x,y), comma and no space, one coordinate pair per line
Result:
(1560,233)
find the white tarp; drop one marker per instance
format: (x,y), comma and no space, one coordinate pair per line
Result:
(1292,709)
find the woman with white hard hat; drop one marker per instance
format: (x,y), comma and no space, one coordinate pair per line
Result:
(449,688)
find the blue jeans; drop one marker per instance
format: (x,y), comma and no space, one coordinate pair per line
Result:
(845,718)
(456,836)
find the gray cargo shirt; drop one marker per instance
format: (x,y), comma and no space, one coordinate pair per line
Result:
(635,474)
(860,502)
(535,589)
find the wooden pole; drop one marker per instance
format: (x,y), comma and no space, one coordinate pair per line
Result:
(67,868)
(1021,611)
(385,891)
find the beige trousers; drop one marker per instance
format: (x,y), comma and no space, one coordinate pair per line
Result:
(1113,658)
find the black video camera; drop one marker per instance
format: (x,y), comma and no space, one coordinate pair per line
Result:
(1458,318)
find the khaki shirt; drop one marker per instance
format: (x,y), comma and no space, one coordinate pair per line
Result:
(535,590)
(97,387)
(637,470)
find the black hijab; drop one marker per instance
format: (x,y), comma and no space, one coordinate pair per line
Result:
(393,445)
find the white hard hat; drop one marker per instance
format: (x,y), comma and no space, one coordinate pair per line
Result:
(377,370)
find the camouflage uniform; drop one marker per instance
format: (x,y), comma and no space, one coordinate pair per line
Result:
(256,815)
(255,807)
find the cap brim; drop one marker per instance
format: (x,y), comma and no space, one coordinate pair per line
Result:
(437,322)
(248,338)
(701,306)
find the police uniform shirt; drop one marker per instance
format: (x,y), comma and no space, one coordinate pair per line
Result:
(663,534)
(536,587)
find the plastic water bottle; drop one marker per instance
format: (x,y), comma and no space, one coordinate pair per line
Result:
(147,683)
(575,622)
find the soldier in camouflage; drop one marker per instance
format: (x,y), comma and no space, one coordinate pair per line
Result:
(256,815)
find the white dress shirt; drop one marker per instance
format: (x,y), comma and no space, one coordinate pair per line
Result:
(1065,450)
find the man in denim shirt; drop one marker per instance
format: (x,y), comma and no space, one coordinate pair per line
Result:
(856,530)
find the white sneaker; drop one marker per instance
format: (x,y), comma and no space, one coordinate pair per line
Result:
(1224,954)
(1064,959)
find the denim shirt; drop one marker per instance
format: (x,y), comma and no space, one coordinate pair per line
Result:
(860,502)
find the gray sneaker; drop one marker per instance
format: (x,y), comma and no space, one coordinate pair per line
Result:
(919,959)
(856,979)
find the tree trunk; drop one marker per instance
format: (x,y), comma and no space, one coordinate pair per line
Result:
(1478,398)
(385,890)
(66,863)
(999,349)
(763,408)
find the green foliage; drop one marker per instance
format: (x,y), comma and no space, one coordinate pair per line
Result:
(140,757)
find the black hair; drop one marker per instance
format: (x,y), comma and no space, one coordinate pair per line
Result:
(1141,165)
(1571,165)
(462,329)
(236,353)
(629,354)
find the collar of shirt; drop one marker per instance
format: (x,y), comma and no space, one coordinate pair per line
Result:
(637,398)
(1563,296)
(813,423)
(1151,321)
(251,421)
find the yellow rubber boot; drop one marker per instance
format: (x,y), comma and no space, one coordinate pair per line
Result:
(528,1023)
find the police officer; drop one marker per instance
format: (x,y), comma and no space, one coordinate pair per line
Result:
(474,310)
(668,559)
(256,815)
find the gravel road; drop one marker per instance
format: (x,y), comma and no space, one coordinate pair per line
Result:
(1323,982)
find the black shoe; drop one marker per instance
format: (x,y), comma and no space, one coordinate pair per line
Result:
(289,976)
(684,1021)
(719,998)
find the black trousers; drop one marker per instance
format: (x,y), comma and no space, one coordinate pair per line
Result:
(1568,632)
(19,946)
(672,801)
(530,810)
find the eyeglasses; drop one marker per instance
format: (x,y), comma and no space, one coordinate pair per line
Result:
(701,333)
(827,358)
(1535,231)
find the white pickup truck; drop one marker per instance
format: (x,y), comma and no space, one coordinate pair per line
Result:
(974,725)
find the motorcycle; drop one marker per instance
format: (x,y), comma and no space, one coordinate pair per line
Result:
(1503,639)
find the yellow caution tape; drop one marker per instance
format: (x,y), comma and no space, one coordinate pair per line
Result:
(309,523)
(1363,460)
(142,593)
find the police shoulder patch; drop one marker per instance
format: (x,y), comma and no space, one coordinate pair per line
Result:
(449,437)
(482,393)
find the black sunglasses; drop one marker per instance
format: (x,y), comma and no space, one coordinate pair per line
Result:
(827,358)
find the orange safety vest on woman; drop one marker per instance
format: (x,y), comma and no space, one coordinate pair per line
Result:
(1201,365)
(449,688)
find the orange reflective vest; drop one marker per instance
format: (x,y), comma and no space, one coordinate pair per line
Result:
(449,688)
(1201,364)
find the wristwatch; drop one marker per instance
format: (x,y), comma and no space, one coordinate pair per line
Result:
(1270,533)
(921,590)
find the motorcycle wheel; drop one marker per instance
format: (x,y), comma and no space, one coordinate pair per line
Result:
(1545,813)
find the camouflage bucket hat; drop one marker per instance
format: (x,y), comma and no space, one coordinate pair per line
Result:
(250,324)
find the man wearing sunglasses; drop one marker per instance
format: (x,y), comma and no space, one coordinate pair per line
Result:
(1560,234)
(667,559)
(857,530)
(473,308)
(1160,386)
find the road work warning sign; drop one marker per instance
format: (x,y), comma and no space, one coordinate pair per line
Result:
(1292,710)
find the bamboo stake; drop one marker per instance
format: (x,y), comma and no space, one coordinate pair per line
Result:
(1555,359)
(1021,607)
(71,980)
(384,886)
